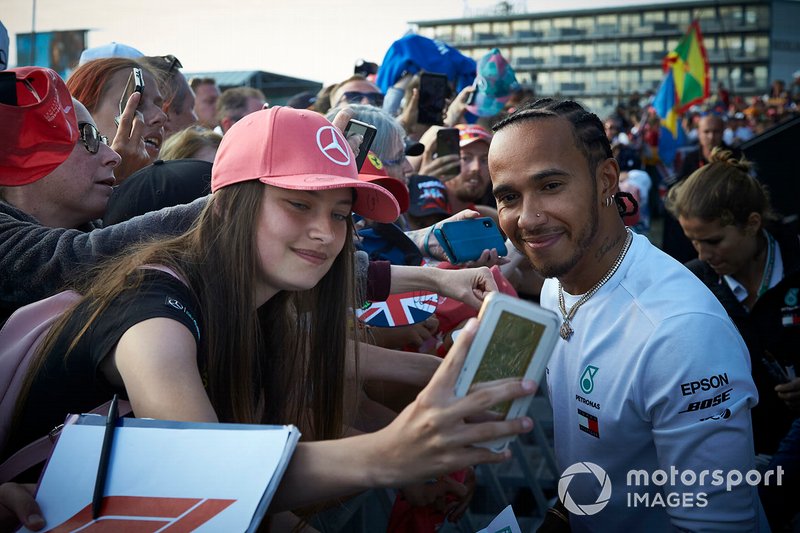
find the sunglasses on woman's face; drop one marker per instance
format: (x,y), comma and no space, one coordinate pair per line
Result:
(356,97)
(90,137)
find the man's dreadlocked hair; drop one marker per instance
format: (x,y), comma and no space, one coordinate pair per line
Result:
(588,131)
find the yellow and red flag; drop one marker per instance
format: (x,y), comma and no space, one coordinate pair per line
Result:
(689,66)
(685,83)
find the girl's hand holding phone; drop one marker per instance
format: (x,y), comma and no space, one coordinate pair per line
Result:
(432,437)
(128,142)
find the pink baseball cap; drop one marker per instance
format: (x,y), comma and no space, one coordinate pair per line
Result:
(296,149)
(38,133)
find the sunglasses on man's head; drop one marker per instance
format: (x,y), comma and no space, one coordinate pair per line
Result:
(173,62)
(355,97)
(91,138)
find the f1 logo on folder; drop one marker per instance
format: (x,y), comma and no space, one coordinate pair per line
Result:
(145,514)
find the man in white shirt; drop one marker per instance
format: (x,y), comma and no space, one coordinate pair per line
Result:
(650,376)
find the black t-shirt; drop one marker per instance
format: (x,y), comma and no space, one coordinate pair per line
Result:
(73,384)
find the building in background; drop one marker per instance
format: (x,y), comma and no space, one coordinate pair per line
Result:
(603,55)
(277,88)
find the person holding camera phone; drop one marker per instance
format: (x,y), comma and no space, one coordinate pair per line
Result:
(751,262)
(649,374)
(101,85)
(287,224)
(179,99)
(465,173)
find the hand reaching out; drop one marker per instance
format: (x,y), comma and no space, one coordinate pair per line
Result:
(442,168)
(340,122)
(456,109)
(128,142)
(408,118)
(467,285)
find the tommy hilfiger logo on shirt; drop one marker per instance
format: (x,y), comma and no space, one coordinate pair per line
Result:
(588,423)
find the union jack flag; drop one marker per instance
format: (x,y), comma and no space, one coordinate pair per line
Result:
(400,309)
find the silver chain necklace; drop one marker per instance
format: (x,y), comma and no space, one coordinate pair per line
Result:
(566,330)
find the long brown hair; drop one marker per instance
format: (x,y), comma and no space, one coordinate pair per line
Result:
(282,363)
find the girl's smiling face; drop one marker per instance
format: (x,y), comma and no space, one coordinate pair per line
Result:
(299,235)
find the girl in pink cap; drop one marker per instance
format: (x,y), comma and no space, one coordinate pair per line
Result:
(248,318)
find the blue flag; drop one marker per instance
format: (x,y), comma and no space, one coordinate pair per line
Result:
(671,136)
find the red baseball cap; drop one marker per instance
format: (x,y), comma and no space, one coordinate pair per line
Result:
(39,133)
(296,149)
(373,171)
(470,133)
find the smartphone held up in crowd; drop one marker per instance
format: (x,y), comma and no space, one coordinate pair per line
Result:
(447,143)
(433,93)
(135,84)
(367,133)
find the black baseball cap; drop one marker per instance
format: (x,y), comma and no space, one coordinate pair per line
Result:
(162,184)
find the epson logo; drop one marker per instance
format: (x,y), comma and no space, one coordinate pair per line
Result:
(713,382)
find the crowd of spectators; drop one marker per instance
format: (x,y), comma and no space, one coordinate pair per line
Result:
(84,201)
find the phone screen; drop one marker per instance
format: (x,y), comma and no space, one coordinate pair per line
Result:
(433,90)
(367,132)
(509,352)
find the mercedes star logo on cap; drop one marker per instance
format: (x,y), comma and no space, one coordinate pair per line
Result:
(333,146)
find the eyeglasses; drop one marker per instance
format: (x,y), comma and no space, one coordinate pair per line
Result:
(173,61)
(394,162)
(90,137)
(355,97)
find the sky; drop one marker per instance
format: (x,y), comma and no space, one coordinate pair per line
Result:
(318,40)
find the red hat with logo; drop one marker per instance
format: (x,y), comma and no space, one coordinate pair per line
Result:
(39,126)
(300,150)
(470,133)
(373,171)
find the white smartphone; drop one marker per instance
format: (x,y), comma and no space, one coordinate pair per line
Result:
(514,339)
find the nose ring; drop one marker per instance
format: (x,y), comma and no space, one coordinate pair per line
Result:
(538,215)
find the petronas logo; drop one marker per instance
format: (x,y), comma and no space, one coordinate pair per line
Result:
(587,379)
